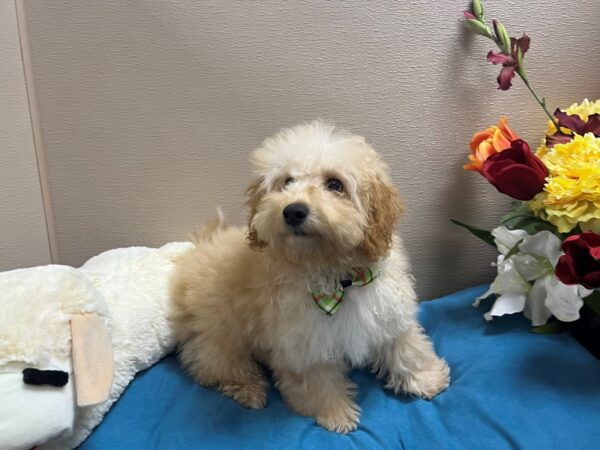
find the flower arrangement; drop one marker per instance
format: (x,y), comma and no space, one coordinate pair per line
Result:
(549,245)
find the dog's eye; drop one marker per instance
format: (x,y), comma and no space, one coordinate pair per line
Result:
(333,184)
(287,181)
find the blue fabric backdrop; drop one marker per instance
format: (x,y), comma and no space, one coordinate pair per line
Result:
(510,389)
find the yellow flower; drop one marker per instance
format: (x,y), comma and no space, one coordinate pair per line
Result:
(583,110)
(571,195)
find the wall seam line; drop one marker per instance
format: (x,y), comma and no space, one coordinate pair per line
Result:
(36,129)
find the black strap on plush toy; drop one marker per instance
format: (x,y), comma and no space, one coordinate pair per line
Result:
(36,377)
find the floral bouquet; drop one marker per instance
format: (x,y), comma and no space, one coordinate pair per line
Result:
(549,245)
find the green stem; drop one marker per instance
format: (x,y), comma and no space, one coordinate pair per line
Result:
(542,101)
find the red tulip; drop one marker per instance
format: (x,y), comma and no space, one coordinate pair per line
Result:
(581,262)
(516,171)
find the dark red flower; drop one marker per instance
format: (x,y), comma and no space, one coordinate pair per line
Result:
(510,63)
(581,262)
(575,124)
(516,171)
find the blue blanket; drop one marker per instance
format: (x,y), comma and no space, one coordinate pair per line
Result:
(510,389)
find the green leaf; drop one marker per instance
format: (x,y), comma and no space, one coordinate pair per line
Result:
(593,302)
(523,219)
(535,225)
(484,235)
(554,327)
(521,211)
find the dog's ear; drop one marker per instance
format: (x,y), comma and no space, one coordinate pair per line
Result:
(384,208)
(255,192)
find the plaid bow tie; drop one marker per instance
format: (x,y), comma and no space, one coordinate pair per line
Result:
(358,276)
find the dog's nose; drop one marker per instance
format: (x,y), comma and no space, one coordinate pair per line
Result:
(295,214)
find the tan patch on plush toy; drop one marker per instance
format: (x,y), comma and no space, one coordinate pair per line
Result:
(92,359)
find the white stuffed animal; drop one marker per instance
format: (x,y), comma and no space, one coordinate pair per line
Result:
(71,340)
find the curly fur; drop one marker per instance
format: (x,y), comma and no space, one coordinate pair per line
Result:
(241,297)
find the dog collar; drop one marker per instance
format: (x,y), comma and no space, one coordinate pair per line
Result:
(357,276)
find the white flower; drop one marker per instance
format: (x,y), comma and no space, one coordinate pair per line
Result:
(506,239)
(534,261)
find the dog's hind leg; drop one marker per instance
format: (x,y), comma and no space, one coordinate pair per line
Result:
(227,367)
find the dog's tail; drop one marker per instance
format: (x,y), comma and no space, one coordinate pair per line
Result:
(206,232)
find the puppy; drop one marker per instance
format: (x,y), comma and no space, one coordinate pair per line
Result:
(317,283)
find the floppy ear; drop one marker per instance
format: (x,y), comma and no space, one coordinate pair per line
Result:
(384,209)
(92,359)
(255,192)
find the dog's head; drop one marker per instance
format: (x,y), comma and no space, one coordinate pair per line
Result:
(322,196)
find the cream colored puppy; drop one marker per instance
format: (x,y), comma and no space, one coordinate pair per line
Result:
(317,283)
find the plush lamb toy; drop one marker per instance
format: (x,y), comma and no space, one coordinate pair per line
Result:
(71,340)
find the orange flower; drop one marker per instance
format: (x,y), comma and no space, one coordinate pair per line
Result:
(489,141)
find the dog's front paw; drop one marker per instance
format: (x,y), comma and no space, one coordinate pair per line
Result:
(251,395)
(425,383)
(342,417)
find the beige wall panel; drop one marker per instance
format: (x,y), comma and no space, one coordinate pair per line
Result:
(23,235)
(150,108)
